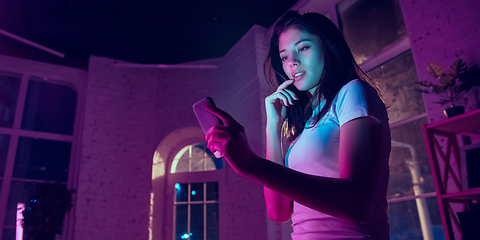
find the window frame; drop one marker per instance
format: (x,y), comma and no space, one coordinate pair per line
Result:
(189,203)
(390,52)
(56,74)
(218,175)
(189,148)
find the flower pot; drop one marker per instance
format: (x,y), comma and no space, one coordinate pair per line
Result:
(454,111)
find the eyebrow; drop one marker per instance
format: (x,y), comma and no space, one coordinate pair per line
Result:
(302,40)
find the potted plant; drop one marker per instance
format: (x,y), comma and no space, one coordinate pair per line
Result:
(452,84)
(45,210)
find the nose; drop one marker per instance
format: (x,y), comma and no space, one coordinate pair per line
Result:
(294,61)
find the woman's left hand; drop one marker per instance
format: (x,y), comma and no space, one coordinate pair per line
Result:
(230,140)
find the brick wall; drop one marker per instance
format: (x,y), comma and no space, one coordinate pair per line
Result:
(117,144)
(241,96)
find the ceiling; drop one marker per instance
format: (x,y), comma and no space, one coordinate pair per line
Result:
(141,31)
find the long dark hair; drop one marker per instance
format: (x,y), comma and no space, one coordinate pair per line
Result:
(340,68)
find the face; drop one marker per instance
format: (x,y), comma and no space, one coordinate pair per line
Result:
(302,58)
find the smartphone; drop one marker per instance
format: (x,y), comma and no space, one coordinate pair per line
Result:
(205,118)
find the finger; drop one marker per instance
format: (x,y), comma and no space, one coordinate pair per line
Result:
(285,84)
(214,140)
(218,154)
(216,145)
(283,98)
(291,93)
(216,148)
(216,128)
(219,137)
(226,118)
(287,96)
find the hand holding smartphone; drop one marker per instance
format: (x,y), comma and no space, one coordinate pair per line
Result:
(205,118)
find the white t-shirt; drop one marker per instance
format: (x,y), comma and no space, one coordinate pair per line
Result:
(315,152)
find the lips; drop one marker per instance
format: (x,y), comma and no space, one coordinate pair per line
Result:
(298,75)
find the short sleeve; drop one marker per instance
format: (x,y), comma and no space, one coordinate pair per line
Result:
(358,99)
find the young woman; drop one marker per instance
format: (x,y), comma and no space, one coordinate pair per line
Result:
(333,180)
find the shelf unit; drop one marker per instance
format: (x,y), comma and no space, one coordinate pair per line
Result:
(444,175)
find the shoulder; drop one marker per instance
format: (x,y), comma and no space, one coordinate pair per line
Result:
(358,99)
(355,86)
(355,91)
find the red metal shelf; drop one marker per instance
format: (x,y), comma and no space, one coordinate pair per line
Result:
(445,163)
(464,195)
(464,123)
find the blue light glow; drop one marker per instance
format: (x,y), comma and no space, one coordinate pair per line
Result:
(177,186)
(186,236)
(193,193)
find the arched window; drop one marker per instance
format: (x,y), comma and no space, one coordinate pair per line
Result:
(194,158)
(191,188)
(196,203)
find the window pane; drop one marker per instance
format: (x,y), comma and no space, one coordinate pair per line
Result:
(42,159)
(181,162)
(196,222)
(198,164)
(396,78)
(405,223)
(197,192)
(202,215)
(182,192)
(212,191)
(409,161)
(4,142)
(198,150)
(181,224)
(9,87)
(203,159)
(19,192)
(195,158)
(212,221)
(47,197)
(49,107)
(370,25)
(199,157)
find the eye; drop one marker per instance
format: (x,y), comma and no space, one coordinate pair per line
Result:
(303,49)
(284,58)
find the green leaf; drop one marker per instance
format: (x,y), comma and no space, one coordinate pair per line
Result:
(435,70)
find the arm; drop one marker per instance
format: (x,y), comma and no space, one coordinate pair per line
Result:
(279,207)
(348,197)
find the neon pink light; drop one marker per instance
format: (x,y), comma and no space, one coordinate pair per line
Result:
(19,228)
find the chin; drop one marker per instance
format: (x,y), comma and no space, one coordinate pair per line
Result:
(301,88)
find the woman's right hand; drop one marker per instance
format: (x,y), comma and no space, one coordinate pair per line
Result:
(276,104)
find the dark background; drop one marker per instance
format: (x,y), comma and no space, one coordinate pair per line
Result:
(141,31)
